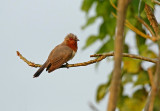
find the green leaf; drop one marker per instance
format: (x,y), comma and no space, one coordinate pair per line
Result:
(126,78)
(157,102)
(142,78)
(107,47)
(131,65)
(101,7)
(90,41)
(101,92)
(135,103)
(102,31)
(90,21)
(150,3)
(86,5)
(126,48)
(140,94)
(103,89)
(149,54)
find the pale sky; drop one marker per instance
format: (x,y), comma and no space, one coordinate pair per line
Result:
(35,27)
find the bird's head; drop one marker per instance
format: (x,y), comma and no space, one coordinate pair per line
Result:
(71,41)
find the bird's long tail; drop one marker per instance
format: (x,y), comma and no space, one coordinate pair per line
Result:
(40,70)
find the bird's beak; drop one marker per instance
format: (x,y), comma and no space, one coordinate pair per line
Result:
(77,39)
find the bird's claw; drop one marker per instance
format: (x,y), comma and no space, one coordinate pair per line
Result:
(67,65)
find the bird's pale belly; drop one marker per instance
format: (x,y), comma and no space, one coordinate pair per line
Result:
(73,54)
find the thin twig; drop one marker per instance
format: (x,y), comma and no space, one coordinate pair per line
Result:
(146,25)
(93,107)
(151,78)
(152,19)
(153,90)
(113,5)
(137,31)
(155,1)
(32,64)
(127,55)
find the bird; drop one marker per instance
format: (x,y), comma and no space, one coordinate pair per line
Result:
(61,54)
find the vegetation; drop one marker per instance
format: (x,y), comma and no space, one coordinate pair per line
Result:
(139,19)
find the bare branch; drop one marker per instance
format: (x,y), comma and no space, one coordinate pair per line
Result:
(146,25)
(116,79)
(137,31)
(153,88)
(154,24)
(152,19)
(155,1)
(127,55)
(63,66)
(32,64)
(101,57)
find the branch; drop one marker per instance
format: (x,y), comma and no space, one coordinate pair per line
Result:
(137,31)
(116,79)
(153,88)
(103,56)
(127,55)
(63,66)
(152,19)
(146,25)
(154,24)
(32,64)
(155,1)
(113,5)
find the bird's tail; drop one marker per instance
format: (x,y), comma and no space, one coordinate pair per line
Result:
(40,70)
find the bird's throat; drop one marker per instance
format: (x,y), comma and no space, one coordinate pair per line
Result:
(73,46)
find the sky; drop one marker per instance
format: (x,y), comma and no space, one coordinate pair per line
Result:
(35,27)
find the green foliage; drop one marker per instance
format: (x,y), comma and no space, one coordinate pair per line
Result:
(91,39)
(142,78)
(150,3)
(131,67)
(134,103)
(103,89)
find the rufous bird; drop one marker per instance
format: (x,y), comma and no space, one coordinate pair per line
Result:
(60,54)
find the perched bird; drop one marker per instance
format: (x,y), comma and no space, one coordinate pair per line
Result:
(60,54)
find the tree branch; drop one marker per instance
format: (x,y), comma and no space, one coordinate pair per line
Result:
(127,55)
(116,78)
(156,2)
(137,31)
(103,56)
(146,25)
(152,19)
(153,88)
(155,26)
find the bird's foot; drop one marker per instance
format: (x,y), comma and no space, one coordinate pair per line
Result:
(66,65)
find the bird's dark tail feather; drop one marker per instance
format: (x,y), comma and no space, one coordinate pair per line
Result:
(40,70)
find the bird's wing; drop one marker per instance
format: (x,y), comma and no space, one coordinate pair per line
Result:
(58,56)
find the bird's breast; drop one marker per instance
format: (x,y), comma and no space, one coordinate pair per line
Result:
(73,54)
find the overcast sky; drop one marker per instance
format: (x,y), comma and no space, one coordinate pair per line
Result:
(35,27)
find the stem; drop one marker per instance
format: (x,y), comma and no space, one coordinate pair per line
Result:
(116,79)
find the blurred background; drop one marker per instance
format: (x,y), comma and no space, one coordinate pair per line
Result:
(35,27)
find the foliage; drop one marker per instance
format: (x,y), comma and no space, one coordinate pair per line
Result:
(131,68)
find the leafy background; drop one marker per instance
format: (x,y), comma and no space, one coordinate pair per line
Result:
(133,71)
